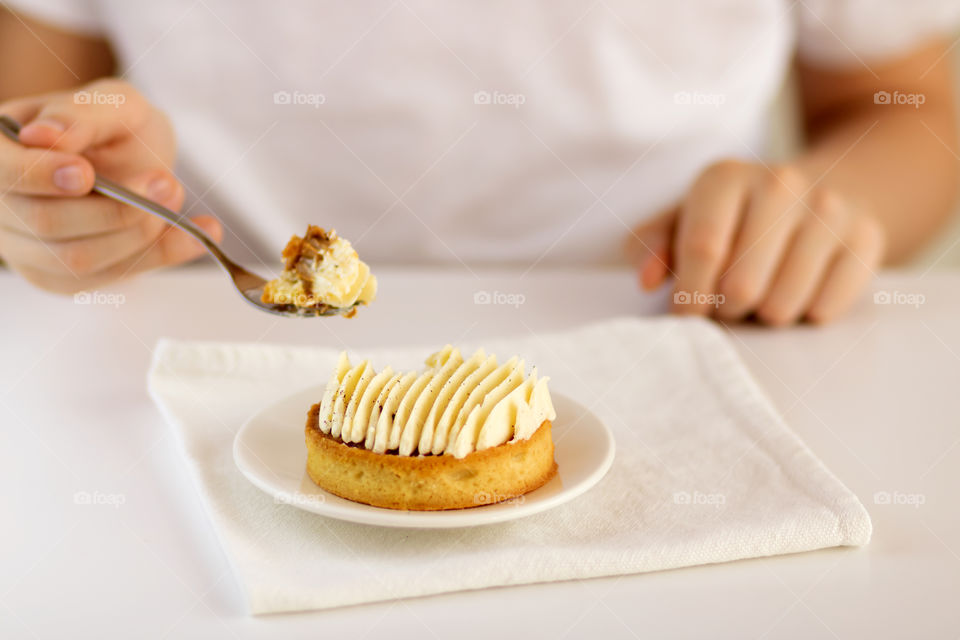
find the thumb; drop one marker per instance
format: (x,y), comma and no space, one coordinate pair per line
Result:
(648,248)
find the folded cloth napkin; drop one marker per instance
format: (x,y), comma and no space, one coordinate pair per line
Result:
(705,471)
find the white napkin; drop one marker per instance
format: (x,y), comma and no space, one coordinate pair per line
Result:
(705,471)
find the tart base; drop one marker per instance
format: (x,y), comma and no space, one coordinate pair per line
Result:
(428,483)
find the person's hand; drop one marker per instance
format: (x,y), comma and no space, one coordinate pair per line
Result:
(747,240)
(53,230)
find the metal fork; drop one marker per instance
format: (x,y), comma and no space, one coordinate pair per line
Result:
(249,285)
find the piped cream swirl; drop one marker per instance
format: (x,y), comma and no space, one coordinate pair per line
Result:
(454,407)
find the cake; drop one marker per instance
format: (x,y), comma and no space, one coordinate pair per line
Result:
(321,271)
(461,433)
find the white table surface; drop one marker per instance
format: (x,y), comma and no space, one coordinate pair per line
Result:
(875,396)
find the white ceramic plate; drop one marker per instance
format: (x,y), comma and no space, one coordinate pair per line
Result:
(270,451)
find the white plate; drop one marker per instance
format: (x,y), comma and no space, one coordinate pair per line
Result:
(270,451)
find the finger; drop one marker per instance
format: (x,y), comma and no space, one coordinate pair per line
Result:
(705,230)
(22,109)
(849,273)
(807,260)
(648,249)
(771,218)
(42,172)
(81,257)
(47,218)
(171,248)
(656,269)
(98,114)
(177,246)
(88,255)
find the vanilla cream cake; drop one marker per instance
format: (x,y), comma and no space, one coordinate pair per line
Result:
(461,433)
(321,271)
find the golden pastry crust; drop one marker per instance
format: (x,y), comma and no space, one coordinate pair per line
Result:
(428,483)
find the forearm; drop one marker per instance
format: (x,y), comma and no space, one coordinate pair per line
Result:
(898,162)
(897,159)
(46,59)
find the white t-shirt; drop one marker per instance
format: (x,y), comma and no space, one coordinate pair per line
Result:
(500,131)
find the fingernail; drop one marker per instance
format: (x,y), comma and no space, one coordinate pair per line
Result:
(69,178)
(159,189)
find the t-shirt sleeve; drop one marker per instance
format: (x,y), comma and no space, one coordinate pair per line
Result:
(842,33)
(80,16)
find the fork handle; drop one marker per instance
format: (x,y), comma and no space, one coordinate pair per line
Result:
(11,128)
(114,191)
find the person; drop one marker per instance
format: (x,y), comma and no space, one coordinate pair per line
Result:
(532,133)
